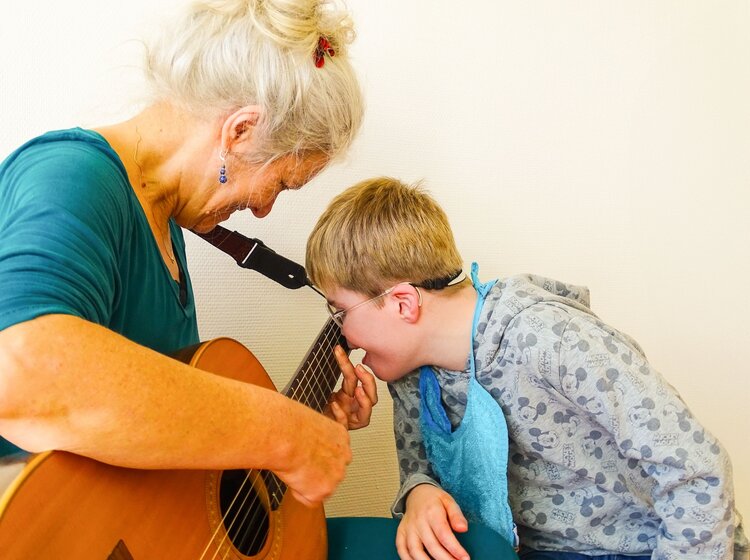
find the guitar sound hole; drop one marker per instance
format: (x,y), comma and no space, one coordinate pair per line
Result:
(245,515)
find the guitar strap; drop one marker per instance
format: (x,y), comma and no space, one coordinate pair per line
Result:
(256,255)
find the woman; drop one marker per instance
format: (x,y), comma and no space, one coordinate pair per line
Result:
(250,98)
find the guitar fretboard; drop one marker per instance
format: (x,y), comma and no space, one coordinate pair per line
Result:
(311,385)
(318,374)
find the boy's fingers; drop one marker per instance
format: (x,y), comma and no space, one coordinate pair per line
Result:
(430,542)
(362,399)
(339,415)
(450,543)
(456,517)
(416,547)
(456,522)
(349,382)
(367,380)
(440,541)
(364,408)
(403,550)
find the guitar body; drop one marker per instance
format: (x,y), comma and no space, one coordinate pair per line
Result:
(64,506)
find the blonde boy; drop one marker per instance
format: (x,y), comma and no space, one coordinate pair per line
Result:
(604,457)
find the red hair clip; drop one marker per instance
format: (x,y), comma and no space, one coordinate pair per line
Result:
(324,48)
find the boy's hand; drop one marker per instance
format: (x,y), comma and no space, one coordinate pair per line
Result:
(431,517)
(351,406)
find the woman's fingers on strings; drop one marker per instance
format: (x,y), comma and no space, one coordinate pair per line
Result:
(301,499)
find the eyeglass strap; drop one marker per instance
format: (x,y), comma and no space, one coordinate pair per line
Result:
(439,283)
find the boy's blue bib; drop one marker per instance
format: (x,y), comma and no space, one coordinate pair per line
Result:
(472,461)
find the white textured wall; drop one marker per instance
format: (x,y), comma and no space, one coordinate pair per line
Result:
(600,142)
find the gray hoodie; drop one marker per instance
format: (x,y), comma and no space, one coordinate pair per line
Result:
(605,457)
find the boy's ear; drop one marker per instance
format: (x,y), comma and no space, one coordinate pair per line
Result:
(409,301)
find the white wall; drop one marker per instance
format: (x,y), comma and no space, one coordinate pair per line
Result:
(604,143)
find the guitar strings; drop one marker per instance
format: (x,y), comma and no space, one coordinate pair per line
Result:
(257,510)
(323,376)
(301,392)
(320,353)
(224,519)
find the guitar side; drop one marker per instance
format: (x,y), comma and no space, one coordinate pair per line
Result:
(65,506)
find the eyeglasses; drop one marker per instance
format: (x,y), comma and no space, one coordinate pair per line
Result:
(338,315)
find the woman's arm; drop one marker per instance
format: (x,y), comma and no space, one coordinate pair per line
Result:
(68,384)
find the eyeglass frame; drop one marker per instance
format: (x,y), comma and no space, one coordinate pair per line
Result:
(337,316)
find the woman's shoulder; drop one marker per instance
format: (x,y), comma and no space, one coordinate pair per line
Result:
(66,177)
(62,164)
(67,148)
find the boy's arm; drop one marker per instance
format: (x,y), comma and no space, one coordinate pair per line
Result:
(687,468)
(433,516)
(414,468)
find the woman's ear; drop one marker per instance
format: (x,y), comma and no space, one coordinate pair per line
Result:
(409,301)
(237,129)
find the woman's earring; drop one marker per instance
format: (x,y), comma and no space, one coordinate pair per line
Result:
(223,168)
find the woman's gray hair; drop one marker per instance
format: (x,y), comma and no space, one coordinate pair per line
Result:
(227,54)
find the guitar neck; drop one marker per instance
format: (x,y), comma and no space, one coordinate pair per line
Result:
(315,379)
(311,385)
(318,373)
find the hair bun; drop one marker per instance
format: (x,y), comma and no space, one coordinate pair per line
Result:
(299,24)
(294,24)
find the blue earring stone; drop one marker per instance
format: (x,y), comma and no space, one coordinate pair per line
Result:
(223,174)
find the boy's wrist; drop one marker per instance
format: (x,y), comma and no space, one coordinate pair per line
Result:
(412,481)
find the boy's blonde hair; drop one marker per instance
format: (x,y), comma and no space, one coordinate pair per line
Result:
(378,233)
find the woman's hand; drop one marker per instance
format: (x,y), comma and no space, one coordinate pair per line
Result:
(319,455)
(351,406)
(320,467)
(431,517)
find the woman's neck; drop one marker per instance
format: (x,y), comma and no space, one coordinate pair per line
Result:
(154,146)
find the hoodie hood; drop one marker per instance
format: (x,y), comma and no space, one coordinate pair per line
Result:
(508,298)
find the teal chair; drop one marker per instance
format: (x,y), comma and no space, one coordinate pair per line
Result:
(374,538)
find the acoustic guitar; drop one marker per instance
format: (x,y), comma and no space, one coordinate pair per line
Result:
(64,506)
